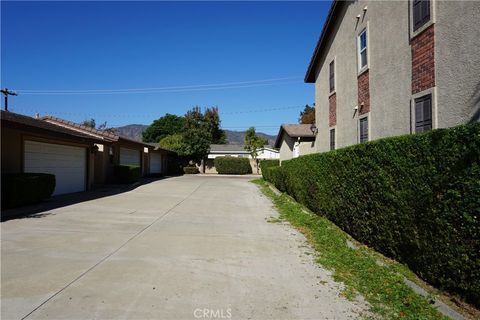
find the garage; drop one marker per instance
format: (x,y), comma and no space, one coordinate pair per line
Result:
(67,163)
(155,162)
(129,157)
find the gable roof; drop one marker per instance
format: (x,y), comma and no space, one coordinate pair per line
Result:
(16,119)
(313,66)
(294,131)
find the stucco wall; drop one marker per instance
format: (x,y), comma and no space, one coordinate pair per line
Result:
(307,147)
(286,148)
(389,72)
(11,151)
(457,52)
(456,95)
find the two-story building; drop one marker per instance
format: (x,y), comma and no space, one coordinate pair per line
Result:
(388,68)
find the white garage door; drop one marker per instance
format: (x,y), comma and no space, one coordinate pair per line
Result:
(67,163)
(155,163)
(129,157)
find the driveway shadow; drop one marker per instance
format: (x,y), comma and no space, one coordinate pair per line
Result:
(40,210)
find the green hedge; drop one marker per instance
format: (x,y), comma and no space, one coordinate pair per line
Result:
(232,165)
(127,174)
(190,170)
(26,188)
(415,198)
(264,164)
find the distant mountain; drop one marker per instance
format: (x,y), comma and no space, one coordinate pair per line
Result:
(237,137)
(134,132)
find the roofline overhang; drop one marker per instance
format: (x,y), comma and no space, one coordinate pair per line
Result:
(312,67)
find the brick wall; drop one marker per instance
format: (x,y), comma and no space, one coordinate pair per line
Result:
(363,92)
(423,60)
(332,108)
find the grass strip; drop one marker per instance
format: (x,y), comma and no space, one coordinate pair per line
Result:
(364,271)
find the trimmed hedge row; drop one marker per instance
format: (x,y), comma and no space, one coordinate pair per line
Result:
(264,164)
(127,174)
(20,189)
(415,198)
(232,165)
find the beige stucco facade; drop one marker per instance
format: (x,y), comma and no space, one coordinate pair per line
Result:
(287,146)
(456,94)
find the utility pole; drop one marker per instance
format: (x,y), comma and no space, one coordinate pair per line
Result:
(7,93)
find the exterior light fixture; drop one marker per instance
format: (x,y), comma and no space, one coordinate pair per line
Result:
(313,128)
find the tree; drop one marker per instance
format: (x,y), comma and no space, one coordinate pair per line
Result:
(307,116)
(212,119)
(89,123)
(201,130)
(169,124)
(253,142)
(174,142)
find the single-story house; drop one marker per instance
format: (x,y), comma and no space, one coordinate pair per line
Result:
(34,145)
(295,140)
(238,151)
(118,150)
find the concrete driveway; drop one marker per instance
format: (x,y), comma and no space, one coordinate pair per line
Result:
(190,247)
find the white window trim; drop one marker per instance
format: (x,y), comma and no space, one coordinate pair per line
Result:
(430,91)
(366,115)
(330,93)
(359,57)
(415,33)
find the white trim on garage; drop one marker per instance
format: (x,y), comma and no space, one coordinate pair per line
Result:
(67,163)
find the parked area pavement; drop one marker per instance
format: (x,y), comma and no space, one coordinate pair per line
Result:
(190,247)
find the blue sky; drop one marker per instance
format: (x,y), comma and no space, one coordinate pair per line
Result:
(125,45)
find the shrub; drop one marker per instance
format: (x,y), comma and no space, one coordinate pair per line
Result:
(127,174)
(190,170)
(26,188)
(232,165)
(266,164)
(414,198)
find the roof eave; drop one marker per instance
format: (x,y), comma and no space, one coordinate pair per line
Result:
(312,67)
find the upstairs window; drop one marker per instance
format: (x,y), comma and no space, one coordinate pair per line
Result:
(362,51)
(332,76)
(421,13)
(364,129)
(423,113)
(332,139)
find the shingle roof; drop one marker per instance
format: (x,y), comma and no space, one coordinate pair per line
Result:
(102,134)
(294,131)
(156,147)
(238,148)
(19,119)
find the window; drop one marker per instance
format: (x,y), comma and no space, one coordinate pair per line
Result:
(332,76)
(332,139)
(421,13)
(362,50)
(423,113)
(364,129)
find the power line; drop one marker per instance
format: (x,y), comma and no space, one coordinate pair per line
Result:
(145,115)
(201,87)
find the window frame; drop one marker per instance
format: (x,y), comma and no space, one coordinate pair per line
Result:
(360,120)
(423,20)
(415,31)
(361,68)
(423,99)
(331,77)
(333,142)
